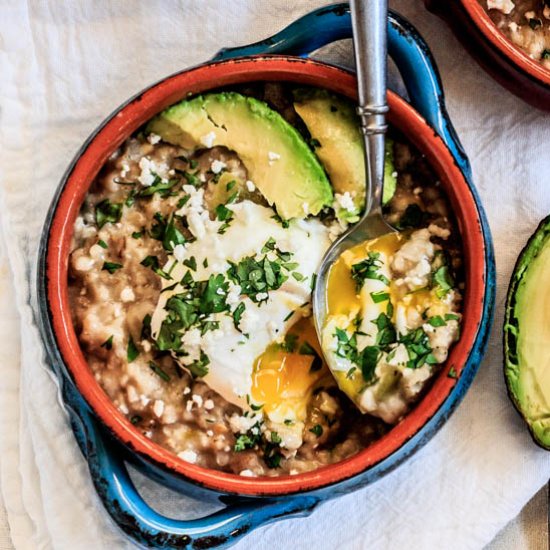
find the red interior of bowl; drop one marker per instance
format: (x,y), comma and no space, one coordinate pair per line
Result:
(202,78)
(480,18)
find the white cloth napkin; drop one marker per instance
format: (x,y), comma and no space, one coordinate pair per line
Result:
(63,67)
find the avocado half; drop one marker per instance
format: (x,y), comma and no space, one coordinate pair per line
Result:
(527,335)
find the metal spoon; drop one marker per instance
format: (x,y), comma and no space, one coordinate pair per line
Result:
(369,21)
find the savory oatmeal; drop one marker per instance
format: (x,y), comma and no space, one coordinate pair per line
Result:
(193,260)
(526,23)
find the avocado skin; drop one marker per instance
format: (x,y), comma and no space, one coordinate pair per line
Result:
(512,318)
(328,117)
(253,129)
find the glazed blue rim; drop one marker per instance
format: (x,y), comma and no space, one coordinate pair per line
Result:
(106,457)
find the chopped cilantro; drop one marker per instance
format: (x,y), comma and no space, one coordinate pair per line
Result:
(284,223)
(230,185)
(452,373)
(146,327)
(258,276)
(290,314)
(368,269)
(111,267)
(153,263)
(443,281)
(136,419)
(183,201)
(163,188)
(535,23)
(290,343)
(159,372)
(317,430)
(191,263)
(545,54)
(379,296)
(108,344)
(223,213)
(102,243)
(237,314)
(437,321)
(137,234)
(107,212)
(451,317)
(131,351)
(199,368)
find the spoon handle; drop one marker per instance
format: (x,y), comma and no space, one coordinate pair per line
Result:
(369,21)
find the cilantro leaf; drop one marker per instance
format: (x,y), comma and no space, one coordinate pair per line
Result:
(107,212)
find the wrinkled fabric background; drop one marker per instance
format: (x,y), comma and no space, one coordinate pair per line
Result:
(64,67)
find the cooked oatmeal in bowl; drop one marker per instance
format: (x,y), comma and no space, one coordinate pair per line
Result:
(190,276)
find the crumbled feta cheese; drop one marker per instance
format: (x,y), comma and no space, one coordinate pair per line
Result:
(209,404)
(148,169)
(123,408)
(208,139)
(249,320)
(241,424)
(233,294)
(125,169)
(273,156)
(305,208)
(188,405)
(209,433)
(158,408)
(83,263)
(153,139)
(187,391)
(144,400)
(179,252)
(217,166)
(505,6)
(247,473)
(197,399)
(146,345)
(189,456)
(344,202)
(250,186)
(127,294)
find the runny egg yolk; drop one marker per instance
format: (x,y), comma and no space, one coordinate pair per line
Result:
(342,295)
(284,375)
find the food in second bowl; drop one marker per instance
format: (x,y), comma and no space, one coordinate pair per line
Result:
(192,267)
(526,23)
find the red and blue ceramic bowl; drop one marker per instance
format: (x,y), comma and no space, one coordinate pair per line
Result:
(508,64)
(108,439)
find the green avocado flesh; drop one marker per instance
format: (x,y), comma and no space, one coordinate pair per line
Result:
(278,160)
(333,123)
(527,335)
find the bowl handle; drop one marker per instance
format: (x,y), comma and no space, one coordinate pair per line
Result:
(406,47)
(146,526)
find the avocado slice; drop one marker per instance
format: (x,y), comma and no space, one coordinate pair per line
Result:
(278,160)
(335,129)
(527,335)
